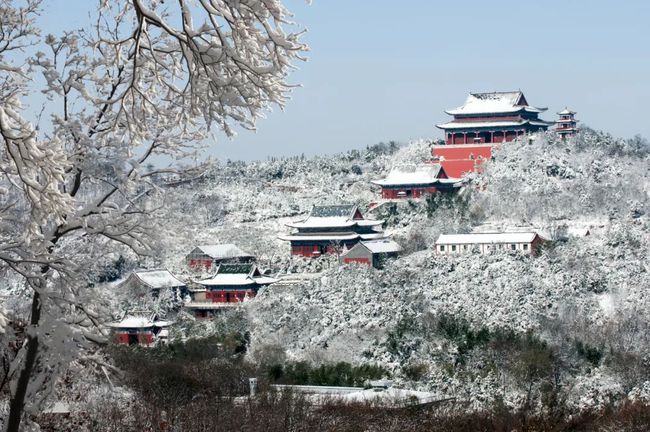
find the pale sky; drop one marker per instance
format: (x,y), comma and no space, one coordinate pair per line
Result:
(383,70)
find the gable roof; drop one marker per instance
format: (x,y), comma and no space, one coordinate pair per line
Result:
(381,246)
(495,103)
(223,251)
(157,279)
(487,238)
(412,175)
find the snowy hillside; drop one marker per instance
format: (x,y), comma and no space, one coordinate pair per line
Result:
(583,291)
(459,326)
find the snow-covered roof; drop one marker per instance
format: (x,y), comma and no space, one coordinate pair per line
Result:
(412,175)
(133,322)
(487,238)
(382,246)
(223,251)
(157,279)
(228,279)
(322,222)
(332,216)
(491,124)
(566,111)
(494,103)
(140,321)
(237,275)
(320,236)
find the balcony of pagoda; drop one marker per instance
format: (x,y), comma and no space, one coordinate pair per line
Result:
(484,137)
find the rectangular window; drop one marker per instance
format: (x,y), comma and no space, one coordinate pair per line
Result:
(525,247)
(513,247)
(442,248)
(453,248)
(464,247)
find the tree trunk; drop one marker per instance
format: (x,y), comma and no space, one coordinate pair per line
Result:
(17,403)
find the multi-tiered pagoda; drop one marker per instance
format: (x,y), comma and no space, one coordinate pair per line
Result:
(485,119)
(330,229)
(566,125)
(493,118)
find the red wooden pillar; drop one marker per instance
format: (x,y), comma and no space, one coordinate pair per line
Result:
(464,137)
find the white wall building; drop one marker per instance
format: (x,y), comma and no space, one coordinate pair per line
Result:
(527,242)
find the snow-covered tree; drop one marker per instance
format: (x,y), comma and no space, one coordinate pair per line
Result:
(145,80)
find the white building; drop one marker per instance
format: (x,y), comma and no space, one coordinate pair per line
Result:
(526,242)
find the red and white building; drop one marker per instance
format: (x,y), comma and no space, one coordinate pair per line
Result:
(207,257)
(231,285)
(483,120)
(525,242)
(140,330)
(566,125)
(413,181)
(330,229)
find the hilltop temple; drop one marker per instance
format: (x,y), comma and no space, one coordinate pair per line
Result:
(484,120)
(493,118)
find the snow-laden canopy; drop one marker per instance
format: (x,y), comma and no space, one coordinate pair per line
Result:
(495,103)
(381,246)
(223,251)
(158,279)
(331,216)
(428,174)
(237,275)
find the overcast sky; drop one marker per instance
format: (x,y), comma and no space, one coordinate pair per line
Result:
(383,70)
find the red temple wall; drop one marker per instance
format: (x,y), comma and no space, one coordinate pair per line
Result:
(451,153)
(228,296)
(393,193)
(197,263)
(365,261)
(305,250)
(144,338)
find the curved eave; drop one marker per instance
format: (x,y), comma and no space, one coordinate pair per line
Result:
(515,109)
(397,184)
(368,222)
(211,283)
(311,238)
(294,224)
(479,125)
(373,236)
